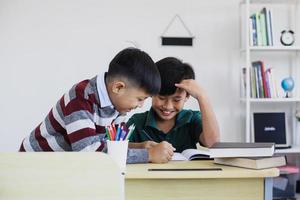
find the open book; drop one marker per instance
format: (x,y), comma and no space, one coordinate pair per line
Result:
(227,150)
(192,154)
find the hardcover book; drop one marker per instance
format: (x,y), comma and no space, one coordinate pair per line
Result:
(240,149)
(254,162)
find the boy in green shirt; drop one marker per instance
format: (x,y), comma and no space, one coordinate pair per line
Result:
(167,121)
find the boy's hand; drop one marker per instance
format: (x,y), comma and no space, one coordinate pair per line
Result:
(191,87)
(149,144)
(161,153)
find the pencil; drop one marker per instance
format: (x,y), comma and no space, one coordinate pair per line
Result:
(107,133)
(147,135)
(131,129)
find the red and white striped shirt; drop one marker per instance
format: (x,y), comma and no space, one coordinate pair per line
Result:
(77,121)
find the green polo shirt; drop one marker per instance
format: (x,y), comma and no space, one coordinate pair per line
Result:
(184,135)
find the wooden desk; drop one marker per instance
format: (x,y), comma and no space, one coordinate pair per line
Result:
(231,183)
(59,176)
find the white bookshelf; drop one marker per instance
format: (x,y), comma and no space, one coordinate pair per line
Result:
(291,54)
(270,100)
(273,48)
(294,149)
(271,1)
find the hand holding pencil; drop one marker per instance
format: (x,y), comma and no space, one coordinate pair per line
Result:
(161,153)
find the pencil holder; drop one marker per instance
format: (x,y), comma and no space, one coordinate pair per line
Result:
(117,150)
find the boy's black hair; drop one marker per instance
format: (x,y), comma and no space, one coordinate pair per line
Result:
(137,67)
(173,70)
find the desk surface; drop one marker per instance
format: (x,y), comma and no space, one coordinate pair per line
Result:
(57,175)
(140,171)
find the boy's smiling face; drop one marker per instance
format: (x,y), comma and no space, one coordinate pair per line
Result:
(167,107)
(126,97)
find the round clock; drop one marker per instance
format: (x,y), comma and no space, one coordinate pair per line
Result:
(287,37)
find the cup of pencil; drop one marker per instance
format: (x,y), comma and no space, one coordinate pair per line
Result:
(117,143)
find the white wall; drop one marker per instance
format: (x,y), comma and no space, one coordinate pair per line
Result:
(47,46)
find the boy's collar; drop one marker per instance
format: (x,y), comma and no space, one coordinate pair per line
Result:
(150,120)
(102,91)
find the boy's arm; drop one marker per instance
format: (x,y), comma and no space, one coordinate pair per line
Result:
(210,128)
(80,126)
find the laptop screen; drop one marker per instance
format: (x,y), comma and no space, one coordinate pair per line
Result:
(270,127)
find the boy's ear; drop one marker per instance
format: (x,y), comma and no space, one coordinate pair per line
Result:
(118,86)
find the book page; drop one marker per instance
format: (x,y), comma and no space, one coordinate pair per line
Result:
(188,153)
(178,156)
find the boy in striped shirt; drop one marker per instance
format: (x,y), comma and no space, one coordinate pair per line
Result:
(77,122)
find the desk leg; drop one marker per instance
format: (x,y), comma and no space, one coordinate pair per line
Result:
(268,188)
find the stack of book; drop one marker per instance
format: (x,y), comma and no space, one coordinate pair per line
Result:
(246,155)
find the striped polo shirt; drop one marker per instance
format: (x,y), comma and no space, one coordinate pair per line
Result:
(77,121)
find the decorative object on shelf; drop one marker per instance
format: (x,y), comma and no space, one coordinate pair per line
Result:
(287,37)
(287,85)
(177,40)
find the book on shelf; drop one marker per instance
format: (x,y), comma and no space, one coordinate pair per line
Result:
(263,27)
(253,162)
(252,30)
(254,91)
(192,154)
(273,83)
(261,84)
(258,29)
(269,26)
(227,149)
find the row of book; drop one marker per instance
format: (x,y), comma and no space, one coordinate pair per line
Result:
(261,28)
(263,82)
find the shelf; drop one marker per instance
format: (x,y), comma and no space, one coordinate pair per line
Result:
(287,14)
(273,100)
(294,149)
(271,1)
(273,48)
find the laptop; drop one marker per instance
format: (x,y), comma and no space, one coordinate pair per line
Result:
(271,127)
